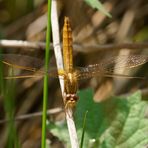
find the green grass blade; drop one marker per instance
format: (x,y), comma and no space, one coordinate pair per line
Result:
(9,104)
(30,5)
(97,4)
(7,91)
(45,89)
(83,132)
(1,76)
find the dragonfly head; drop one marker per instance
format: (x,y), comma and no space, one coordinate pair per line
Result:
(70,100)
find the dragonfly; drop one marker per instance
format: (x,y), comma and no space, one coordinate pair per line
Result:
(70,74)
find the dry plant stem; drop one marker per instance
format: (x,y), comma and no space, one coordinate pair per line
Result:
(21,44)
(72,128)
(56,40)
(32,115)
(77,46)
(59,60)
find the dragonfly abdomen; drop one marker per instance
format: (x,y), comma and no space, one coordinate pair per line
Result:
(67,46)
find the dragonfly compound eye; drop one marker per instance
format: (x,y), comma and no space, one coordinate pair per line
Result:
(71,97)
(70,100)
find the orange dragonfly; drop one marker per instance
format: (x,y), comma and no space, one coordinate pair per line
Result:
(70,74)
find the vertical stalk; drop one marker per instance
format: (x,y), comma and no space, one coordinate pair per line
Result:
(45,89)
(59,61)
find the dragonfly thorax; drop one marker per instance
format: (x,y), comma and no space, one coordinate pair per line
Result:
(70,89)
(70,83)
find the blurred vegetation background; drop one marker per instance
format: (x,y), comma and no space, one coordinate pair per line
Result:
(27,20)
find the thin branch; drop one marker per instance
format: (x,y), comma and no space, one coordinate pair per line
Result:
(77,46)
(32,115)
(59,60)
(119,46)
(21,44)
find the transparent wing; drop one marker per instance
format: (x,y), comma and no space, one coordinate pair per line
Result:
(23,62)
(123,61)
(107,67)
(51,74)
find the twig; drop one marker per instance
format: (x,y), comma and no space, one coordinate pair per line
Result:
(97,47)
(21,44)
(59,60)
(32,115)
(77,46)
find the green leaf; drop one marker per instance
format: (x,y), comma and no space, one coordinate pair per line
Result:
(118,122)
(97,4)
(83,130)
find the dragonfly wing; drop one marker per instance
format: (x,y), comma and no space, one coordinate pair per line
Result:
(29,69)
(107,67)
(22,76)
(53,73)
(87,72)
(22,61)
(122,61)
(9,60)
